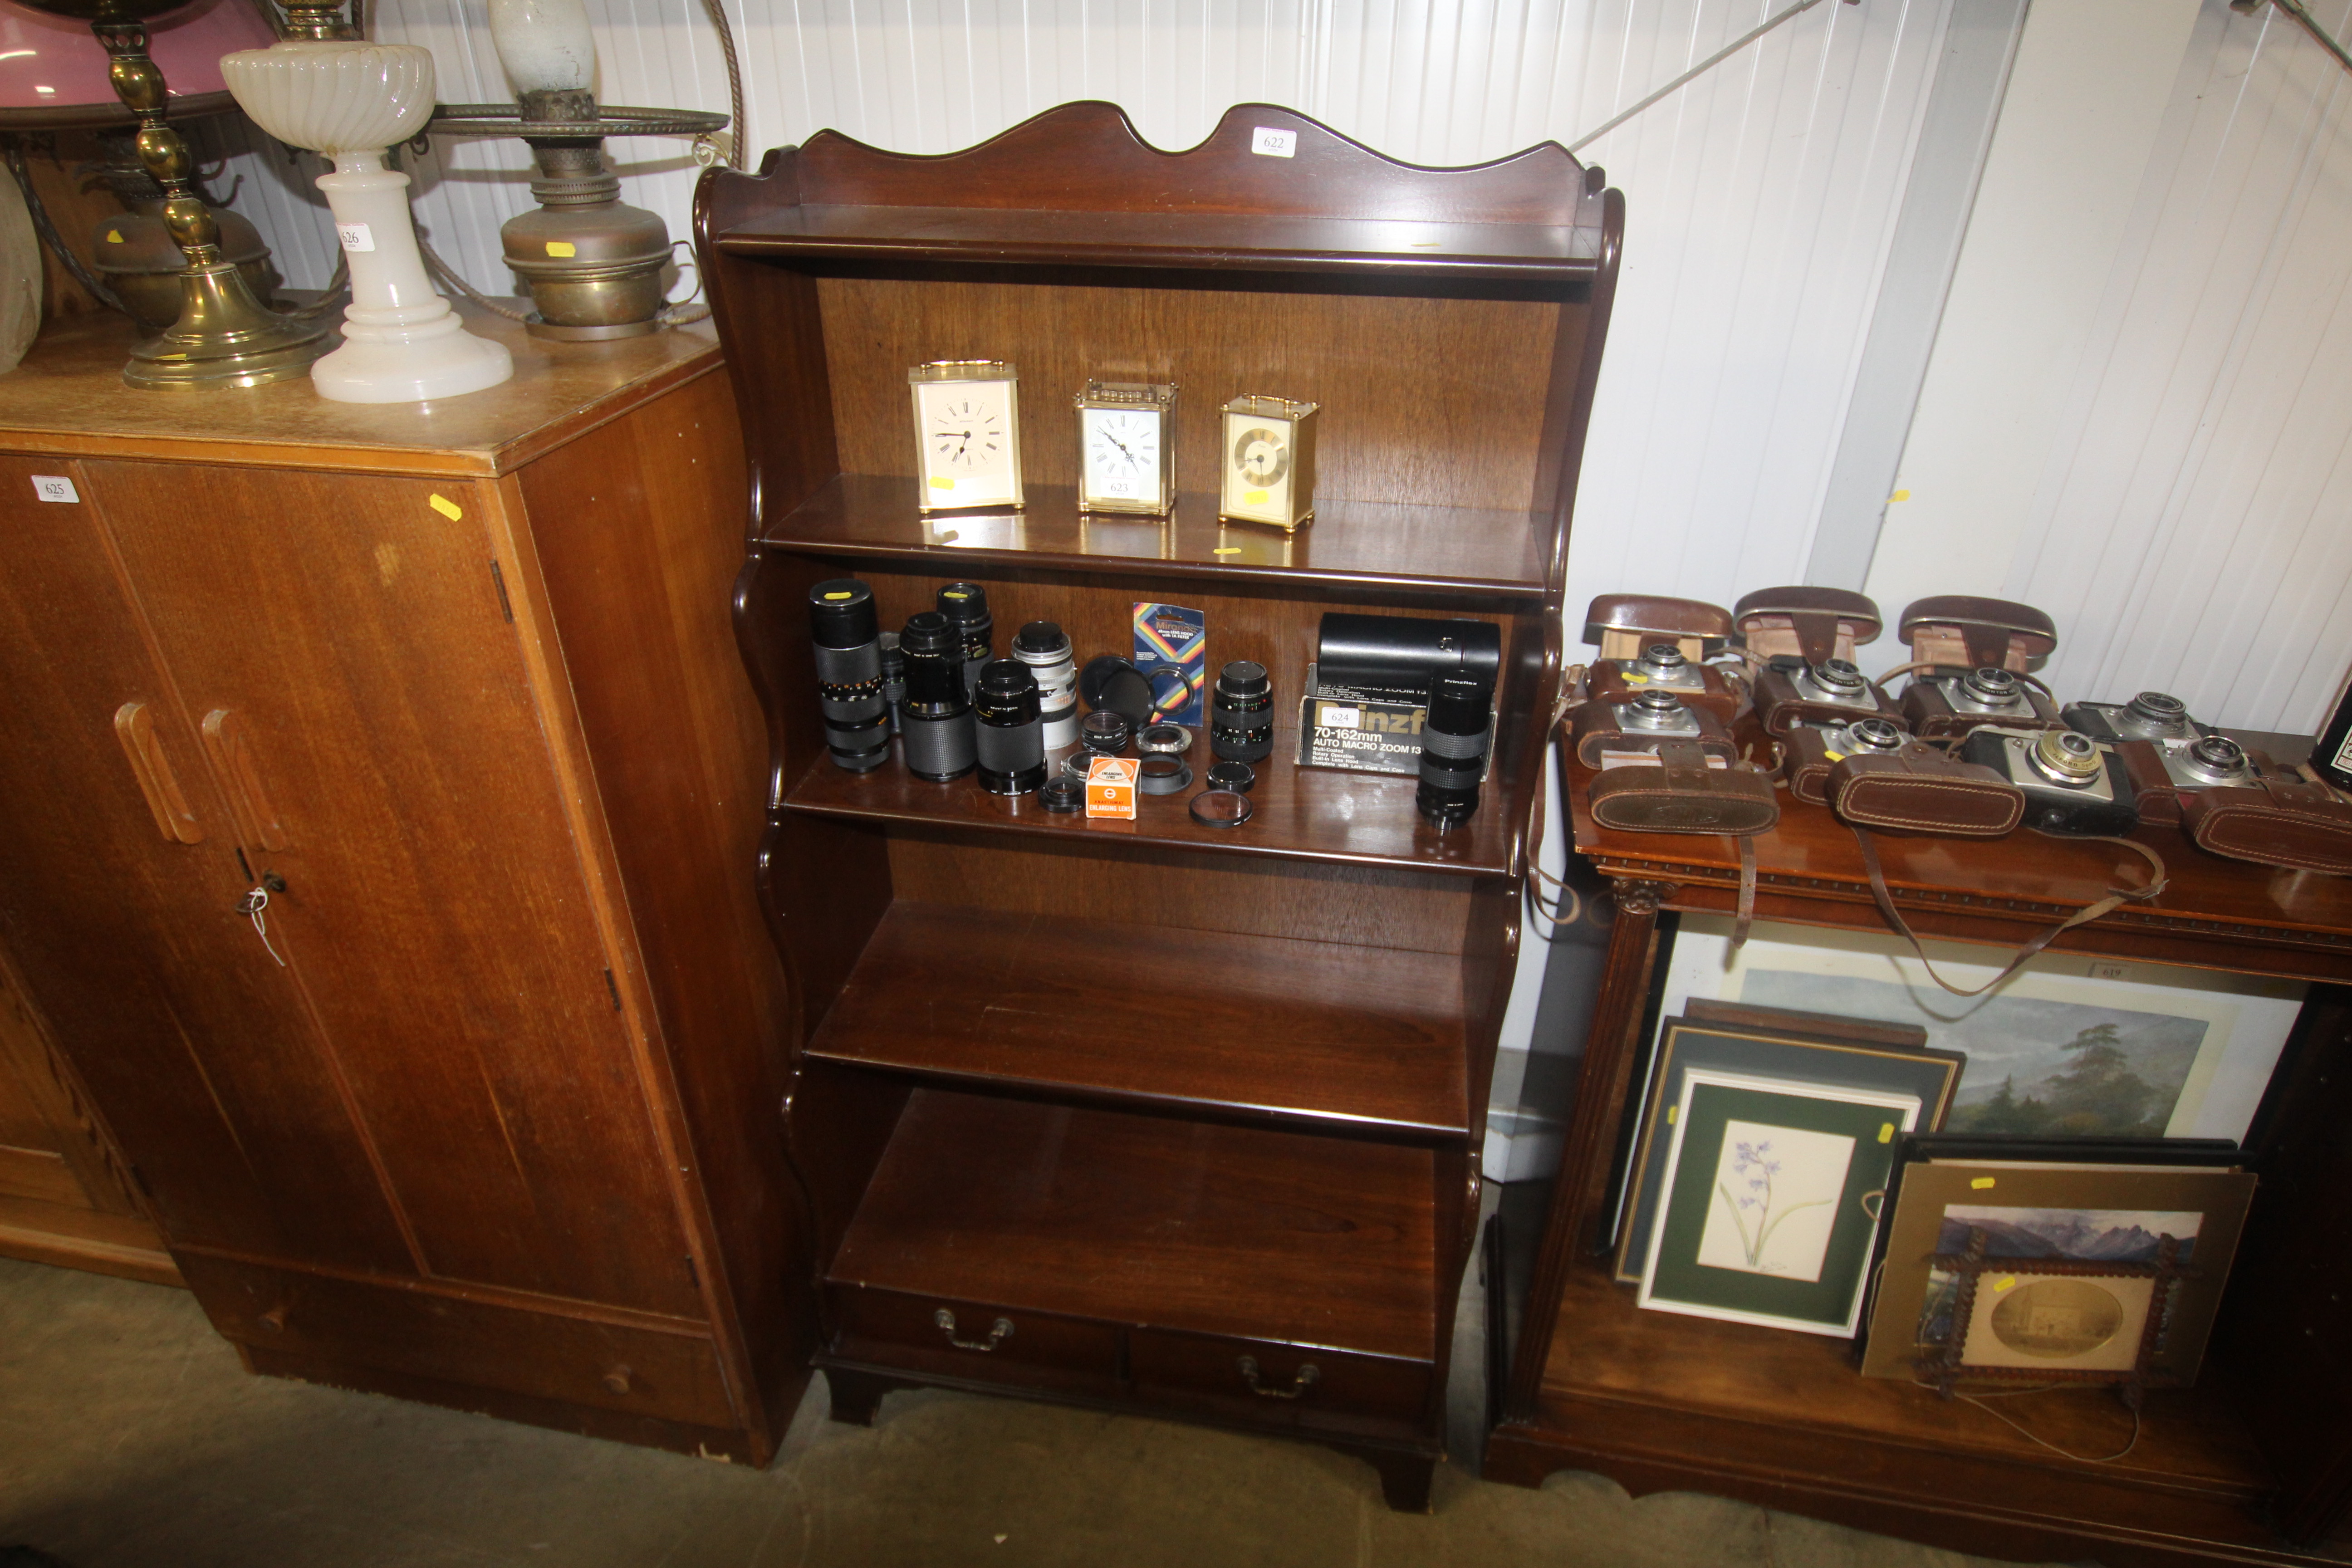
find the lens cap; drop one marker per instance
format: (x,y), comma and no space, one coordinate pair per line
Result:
(1062,794)
(1222,808)
(1111,682)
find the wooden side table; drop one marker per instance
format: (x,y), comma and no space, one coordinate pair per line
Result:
(2253,1460)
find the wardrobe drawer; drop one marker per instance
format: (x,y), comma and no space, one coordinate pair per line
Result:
(1271,1381)
(893,1329)
(642,1370)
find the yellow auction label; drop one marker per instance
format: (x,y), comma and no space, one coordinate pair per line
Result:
(115,236)
(1255,498)
(561,247)
(1981,1182)
(942,482)
(445,507)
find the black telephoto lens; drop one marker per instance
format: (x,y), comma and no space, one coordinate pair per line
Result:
(1241,713)
(894,677)
(849,674)
(935,718)
(1453,735)
(966,606)
(1011,736)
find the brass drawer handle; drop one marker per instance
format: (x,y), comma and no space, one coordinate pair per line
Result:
(1307,1378)
(1000,1330)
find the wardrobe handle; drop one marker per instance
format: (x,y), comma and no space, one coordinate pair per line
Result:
(228,741)
(135,726)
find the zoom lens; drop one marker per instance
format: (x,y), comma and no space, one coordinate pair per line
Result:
(1008,736)
(849,674)
(965,604)
(1045,648)
(935,718)
(894,677)
(1241,713)
(1454,736)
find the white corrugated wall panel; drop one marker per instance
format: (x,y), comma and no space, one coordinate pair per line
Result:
(2187,532)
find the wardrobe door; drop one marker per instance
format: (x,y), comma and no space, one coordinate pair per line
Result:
(346,647)
(118,893)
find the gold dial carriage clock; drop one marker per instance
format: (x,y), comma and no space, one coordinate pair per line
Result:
(966,434)
(1126,447)
(1268,462)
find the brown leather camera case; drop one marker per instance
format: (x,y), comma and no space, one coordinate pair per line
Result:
(1930,715)
(1920,790)
(1683,794)
(1814,623)
(2285,822)
(1623,625)
(1606,683)
(1805,764)
(1962,629)
(1594,728)
(1781,706)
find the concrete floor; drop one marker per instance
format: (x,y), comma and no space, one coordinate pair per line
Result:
(131,1437)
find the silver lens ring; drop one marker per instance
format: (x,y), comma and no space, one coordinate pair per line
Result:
(1653,711)
(1874,735)
(2066,757)
(1989,690)
(2214,758)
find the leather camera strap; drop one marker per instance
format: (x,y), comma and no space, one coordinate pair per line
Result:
(1745,915)
(2084,916)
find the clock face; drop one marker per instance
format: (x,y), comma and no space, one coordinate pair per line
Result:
(1262,456)
(1122,454)
(966,430)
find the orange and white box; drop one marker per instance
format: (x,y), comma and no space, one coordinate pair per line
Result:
(1110,787)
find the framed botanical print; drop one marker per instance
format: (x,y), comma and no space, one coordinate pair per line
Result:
(1771,1200)
(2031,1270)
(1768,1043)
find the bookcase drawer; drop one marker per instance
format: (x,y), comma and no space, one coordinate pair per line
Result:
(891,1327)
(1269,1381)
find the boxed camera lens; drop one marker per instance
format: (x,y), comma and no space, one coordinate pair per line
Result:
(1346,730)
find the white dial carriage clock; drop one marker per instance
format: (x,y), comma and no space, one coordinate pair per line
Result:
(1126,447)
(1268,463)
(966,434)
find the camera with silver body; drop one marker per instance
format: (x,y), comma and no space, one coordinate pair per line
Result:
(2072,783)
(1943,702)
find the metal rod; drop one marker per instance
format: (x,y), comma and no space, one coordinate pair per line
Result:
(2296,9)
(1708,65)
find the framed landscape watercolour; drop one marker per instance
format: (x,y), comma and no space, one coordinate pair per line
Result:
(1780,1052)
(1771,1200)
(2068,1046)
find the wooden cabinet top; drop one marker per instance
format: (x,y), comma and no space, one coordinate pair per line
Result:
(67,397)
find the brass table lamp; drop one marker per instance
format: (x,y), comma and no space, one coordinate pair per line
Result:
(224,337)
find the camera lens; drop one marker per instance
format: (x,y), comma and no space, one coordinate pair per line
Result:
(1010,741)
(1837,677)
(1990,687)
(1663,661)
(1454,736)
(1241,712)
(2156,713)
(1045,648)
(1653,711)
(2216,759)
(893,678)
(935,718)
(2068,757)
(849,674)
(965,604)
(1105,732)
(1874,735)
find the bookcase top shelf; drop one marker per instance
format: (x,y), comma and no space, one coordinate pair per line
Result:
(1459,553)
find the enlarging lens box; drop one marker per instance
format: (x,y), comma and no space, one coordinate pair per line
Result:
(1359,734)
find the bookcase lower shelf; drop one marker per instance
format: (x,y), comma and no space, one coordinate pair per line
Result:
(1109,1260)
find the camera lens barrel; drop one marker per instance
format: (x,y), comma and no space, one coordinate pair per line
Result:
(1241,712)
(965,604)
(1045,648)
(850,699)
(894,677)
(1454,733)
(1105,732)
(935,718)
(1663,661)
(1009,738)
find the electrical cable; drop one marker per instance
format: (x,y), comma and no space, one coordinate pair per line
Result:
(1704,67)
(47,230)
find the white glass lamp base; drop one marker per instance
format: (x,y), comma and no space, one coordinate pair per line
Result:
(402,342)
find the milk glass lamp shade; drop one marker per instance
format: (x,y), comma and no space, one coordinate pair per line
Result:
(402,343)
(544,45)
